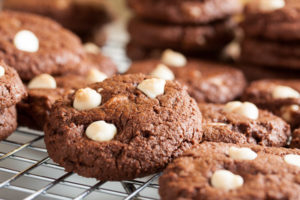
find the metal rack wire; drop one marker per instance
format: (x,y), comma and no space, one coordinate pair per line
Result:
(26,171)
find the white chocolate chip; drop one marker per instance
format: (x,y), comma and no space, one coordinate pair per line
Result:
(232,106)
(283,92)
(286,112)
(163,72)
(26,41)
(42,81)
(94,75)
(224,179)
(174,59)
(270,5)
(2,71)
(86,99)
(242,153)
(91,48)
(292,159)
(233,50)
(245,109)
(152,87)
(101,131)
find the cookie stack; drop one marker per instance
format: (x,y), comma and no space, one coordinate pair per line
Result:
(191,27)
(11,92)
(270,48)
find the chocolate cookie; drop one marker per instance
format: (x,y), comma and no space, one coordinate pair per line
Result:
(295,143)
(247,124)
(80,16)
(8,121)
(210,37)
(227,171)
(185,11)
(12,89)
(280,24)
(139,126)
(282,97)
(271,54)
(206,81)
(34,45)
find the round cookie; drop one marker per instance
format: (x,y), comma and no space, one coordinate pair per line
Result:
(34,45)
(8,121)
(80,16)
(281,97)
(271,54)
(227,171)
(185,11)
(280,24)
(212,37)
(12,89)
(149,131)
(206,81)
(221,125)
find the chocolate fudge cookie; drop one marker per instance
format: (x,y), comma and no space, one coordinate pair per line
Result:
(34,45)
(271,54)
(276,23)
(212,37)
(12,89)
(206,81)
(185,11)
(227,171)
(122,128)
(8,121)
(238,122)
(282,97)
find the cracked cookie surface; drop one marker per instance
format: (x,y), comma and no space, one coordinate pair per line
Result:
(150,132)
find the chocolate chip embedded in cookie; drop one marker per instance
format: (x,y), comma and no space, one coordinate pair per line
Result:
(295,143)
(8,121)
(136,129)
(229,171)
(281,97)
(12,89)
(185,12)
(34,45)
(206,81)
(243,122)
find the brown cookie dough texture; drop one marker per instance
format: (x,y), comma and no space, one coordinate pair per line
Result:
(185,11)
(295,143)
(12,89)
(210,37)
(206,81)
(8,121)
(269,174)
(59,51)
(150,131)
(262,94)
(229,127)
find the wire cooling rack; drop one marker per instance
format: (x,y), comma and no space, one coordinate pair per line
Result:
(26,171)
